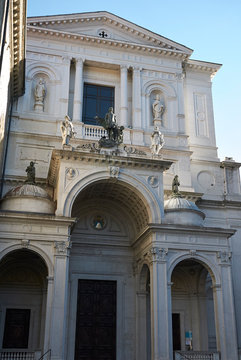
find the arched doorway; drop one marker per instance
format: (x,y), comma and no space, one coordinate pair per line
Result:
(23,291)
(193,318)
(103,286)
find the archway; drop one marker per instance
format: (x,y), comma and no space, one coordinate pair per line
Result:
(23,291)
(110,216)
(193,318)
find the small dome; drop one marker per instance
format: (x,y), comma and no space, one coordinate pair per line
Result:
(179,210)
(27,198)
(180,203)
(28,190)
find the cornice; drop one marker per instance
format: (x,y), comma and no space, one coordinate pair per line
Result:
(88,39)
(198,65)
(105,17)
(18,46)
(117,161)
(184,230)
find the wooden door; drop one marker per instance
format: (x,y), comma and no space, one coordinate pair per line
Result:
(96,320)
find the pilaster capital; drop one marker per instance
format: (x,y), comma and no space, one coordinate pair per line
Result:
(66,59)
(124,67)
(224,257)
(79,61)
(136,69)
(62,247)
(157,255)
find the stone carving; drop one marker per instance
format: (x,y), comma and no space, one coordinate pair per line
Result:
(224,256)
(70,173)
(152,180)
(30,173)
(131,150)
(157,141)
(156,254)
(39,95)
(25,243)
(175,189)
(115,132)
(62,247)
(192,252)
(157,108)
(114,171)
(92,147)
(67,130)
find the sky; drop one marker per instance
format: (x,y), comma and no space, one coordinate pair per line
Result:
(212,28)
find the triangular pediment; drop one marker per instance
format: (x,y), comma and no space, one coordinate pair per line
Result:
(104,25)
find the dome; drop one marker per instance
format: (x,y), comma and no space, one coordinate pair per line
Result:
(179,210)
(27,198)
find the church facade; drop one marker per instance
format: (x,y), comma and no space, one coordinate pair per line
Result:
(120,226)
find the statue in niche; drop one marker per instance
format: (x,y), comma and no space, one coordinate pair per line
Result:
(175,189)
(115,132)
(157,108)
(30,173)
(39,94)
(157,141)
(67,130)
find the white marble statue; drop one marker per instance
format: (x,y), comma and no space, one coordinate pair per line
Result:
(67,130)
(39,94)
(157,141)
(157,108)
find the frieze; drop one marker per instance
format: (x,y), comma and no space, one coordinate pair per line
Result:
(133,151)
(92,147)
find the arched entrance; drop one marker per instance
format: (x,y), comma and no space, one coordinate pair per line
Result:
(193,317)
(23,292)
(103,286)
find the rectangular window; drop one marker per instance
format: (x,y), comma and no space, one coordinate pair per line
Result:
(16,329)
(97,100)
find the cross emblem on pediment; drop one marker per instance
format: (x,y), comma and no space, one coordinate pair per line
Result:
(103,34)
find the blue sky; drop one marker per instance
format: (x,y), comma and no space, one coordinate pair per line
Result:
(212,28)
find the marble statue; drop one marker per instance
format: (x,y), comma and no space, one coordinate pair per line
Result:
(157,141)
(30,173)
(39,94)
(157,108)
(67,130)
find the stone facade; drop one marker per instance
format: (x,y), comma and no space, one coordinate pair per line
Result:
(104,224)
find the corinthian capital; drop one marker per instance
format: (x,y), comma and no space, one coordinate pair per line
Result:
(156,254)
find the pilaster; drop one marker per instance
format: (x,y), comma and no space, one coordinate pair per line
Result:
(160,327)
(59,303)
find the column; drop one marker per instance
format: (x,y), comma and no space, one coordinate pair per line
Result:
(64,92)
(224,311)
(136,98)
(160,312)
(142,325)
(123,97)
(60,297)
(78,90)
(48,313)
